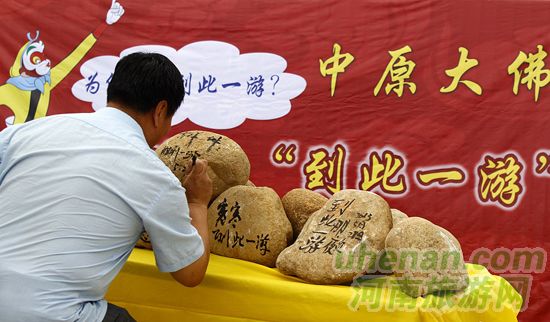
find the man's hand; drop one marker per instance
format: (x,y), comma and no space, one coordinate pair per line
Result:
(197,184)
(115,12)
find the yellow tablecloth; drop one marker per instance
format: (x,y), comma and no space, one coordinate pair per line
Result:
(235,290)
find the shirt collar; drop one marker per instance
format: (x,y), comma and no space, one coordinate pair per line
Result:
(119,116)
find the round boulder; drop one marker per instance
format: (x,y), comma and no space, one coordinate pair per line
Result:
(249,223)
(425,258)
(299,204)
(144,241)
(228,164)
(397,215)
(339,241)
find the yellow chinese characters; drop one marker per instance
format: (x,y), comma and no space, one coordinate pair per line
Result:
(399,69)
(443,176)
(325,171)
(464,64)
(338,63)
(533,74)
(382,169)
(499,180)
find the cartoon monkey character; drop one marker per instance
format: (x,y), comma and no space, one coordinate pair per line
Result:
(32,78)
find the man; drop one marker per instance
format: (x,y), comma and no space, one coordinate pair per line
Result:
(77,190)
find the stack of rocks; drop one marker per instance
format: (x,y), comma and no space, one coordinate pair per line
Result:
(305,234)
(356,233)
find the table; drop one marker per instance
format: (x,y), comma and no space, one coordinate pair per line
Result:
(236,290)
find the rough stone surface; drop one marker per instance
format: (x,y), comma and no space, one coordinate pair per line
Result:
(439,264)
(228,164)
(325,252)
(299,204)
(144,241)
(249,223)
(397,215)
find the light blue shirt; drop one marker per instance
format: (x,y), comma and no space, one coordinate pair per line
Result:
(76,191)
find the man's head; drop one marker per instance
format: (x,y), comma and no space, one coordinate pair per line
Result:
(149,87)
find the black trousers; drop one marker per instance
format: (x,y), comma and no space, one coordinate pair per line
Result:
(117,314)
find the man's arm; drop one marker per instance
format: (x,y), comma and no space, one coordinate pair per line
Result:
(198,188)
(193,274)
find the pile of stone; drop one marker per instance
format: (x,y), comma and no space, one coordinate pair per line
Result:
(355,233)
(305,234)
(228,165)
(244,221)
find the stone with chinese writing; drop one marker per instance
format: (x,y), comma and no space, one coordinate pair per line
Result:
(299,204)
(144,241)
(340,240)
(397,215)
(228,164)
(249,223)
(425,258)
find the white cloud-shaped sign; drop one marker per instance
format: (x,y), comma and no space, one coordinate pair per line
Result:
(223,88)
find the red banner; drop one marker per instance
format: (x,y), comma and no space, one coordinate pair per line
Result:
(441,107)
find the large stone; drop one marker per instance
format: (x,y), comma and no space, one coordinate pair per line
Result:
(228,165)
(425,258)
(330,247)
(144,241)
(397,215)
(299,204)
(249,223)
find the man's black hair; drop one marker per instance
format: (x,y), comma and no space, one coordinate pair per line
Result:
(142,80)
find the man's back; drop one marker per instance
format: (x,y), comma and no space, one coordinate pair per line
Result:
(73,194)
